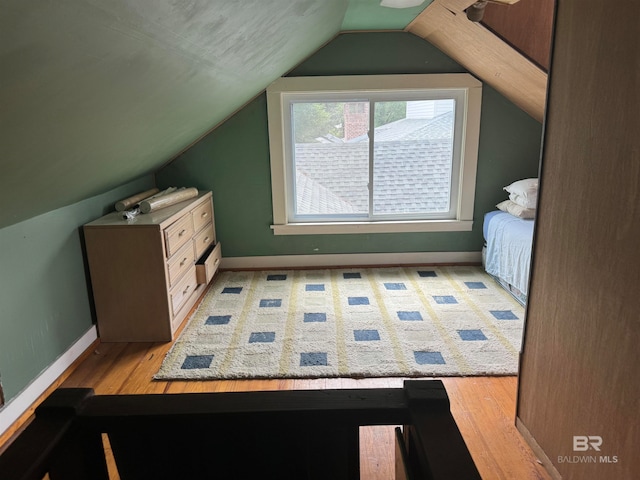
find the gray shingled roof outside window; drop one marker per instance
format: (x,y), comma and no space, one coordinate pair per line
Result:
(315,199)
(332,178)
(413,129)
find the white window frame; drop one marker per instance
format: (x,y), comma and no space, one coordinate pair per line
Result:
(279,135)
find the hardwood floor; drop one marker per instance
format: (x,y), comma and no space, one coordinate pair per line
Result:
(484,407)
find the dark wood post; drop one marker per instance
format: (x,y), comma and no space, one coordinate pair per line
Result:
(54,443)
(433,442)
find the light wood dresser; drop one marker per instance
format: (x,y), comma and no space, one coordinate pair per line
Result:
(147,272)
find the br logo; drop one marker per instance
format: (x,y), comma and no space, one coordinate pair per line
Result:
(582,443)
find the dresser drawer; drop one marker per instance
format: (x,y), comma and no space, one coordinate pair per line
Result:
(208,264)
(202,215)
(203,240)
(157,253)
(183,290)
(179,233)
(180,262)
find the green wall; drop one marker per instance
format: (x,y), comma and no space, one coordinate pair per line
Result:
(233,160)
(44,300)
(96,93)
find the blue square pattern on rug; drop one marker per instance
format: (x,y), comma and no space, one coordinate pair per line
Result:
(429,358)
(314,287)
(315,317)
(443,299)
(347,275)
(358,300)
(409,316)
(276,277)
(235,290)
(366,335)
(262,337)
(197,361)
(427,273)
(218,320)
(475,285)
(313,359)
(270,302)
(395,286)
(470,335)
(503,314)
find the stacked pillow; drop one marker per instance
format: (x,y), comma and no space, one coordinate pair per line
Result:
(523,196)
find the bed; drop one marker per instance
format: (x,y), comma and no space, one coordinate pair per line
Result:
(506,255)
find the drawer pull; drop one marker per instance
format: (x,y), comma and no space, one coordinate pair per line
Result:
(182,232)
(206,240)
(216,262)
(186,290)
(184,260)
(204,214)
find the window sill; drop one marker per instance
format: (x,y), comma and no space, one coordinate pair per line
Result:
(373,227)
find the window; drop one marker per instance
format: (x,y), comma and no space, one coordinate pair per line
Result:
(373,154)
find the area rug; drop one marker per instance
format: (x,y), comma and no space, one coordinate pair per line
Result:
(364,322)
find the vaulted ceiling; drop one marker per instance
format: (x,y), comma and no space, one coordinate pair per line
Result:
(96,93)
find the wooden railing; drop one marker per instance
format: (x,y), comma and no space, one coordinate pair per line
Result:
(311,434)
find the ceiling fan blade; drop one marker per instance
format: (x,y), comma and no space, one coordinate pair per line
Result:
(401,3)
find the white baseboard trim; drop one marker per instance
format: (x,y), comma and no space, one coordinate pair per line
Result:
(21,402)
(348,259)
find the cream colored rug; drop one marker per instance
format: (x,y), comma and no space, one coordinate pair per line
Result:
(364,322)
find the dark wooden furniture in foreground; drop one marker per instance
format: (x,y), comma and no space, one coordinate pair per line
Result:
(309,434)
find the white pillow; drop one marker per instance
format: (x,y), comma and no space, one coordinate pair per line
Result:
(516,210)
(527,188)
(525,202)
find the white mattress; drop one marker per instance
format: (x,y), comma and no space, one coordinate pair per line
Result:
(508,251)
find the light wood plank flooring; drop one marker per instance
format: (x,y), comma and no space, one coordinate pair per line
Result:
(484,407)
